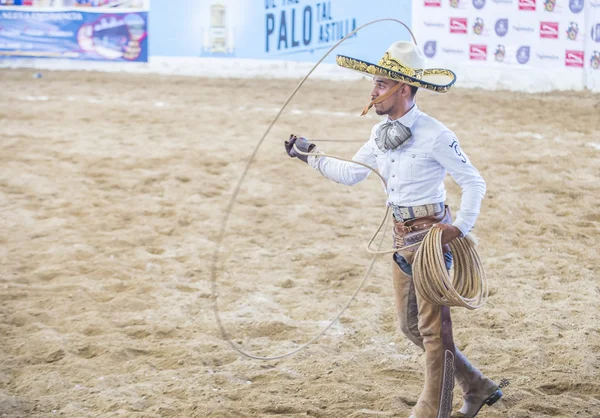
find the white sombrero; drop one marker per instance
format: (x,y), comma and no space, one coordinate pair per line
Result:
(404,62)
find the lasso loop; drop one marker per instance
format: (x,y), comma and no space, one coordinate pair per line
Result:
(228,210)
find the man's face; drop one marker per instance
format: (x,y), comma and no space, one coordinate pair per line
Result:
(380,87)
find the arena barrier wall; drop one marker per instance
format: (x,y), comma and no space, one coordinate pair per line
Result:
(523,45)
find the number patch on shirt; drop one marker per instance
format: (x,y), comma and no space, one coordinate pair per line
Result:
(454,145)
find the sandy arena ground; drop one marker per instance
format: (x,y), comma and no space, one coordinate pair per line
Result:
(112,191)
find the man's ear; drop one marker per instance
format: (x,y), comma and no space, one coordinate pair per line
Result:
(405,90)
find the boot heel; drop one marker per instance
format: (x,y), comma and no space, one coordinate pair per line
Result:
(493,398)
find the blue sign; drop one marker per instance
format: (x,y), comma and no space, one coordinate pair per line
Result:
(292,30)
(523,54)
(74,34)
(501,27)
(479,4)
(430,48)
(596,32)
(576,6)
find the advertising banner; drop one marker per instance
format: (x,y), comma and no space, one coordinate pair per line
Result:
(293,30)
(81,33)
(543,34)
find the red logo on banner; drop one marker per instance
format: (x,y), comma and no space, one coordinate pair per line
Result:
(549,30)
(574,59)
(526,4)
(433,3)
(478,52)
(458,25)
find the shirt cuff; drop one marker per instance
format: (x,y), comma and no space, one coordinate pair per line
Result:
(463,226)
(313,160)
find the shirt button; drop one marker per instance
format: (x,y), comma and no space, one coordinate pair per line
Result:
(393,175)
(393,160)
(392,190)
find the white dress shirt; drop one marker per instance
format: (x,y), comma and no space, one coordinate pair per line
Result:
(415,171)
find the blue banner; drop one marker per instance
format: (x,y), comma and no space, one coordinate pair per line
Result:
(101,36)
(293,30)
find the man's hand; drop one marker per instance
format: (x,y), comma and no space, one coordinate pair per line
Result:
(449,232)
(302,144)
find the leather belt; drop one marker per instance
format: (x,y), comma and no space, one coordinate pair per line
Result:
(413,231)
(403,213)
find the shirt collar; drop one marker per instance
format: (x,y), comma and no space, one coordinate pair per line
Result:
(409,118)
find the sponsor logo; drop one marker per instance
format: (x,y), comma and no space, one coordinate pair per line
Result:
(523,54)
(458,25)
(595,60)
(572,31)
(478,52)
(501,27)
(430,49)
(452,51)
(547,57)
(526,4)
(433,3)
(479,4)
(478,26)
(455,3)
(500,53)
(549,30)
(576,6)
(434,24)
(574,59)
(549,5)
(523,28)
(596,32)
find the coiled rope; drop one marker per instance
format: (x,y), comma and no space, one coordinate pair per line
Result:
(215,259)
(468,287)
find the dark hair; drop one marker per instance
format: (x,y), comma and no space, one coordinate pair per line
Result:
(413,91)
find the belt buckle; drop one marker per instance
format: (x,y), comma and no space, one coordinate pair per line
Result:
(397,213)
(404,228)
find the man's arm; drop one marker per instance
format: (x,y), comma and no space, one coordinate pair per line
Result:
(342,172)
(448,153)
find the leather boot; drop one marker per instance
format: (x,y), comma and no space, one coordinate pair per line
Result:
(478,390)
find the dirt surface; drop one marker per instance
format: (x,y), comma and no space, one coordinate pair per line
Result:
(113,188)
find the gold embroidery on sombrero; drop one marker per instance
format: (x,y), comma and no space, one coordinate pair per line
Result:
(374,70)
(392,64)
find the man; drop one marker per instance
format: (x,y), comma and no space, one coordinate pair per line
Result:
(413,152)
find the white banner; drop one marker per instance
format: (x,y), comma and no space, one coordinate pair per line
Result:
(531,45)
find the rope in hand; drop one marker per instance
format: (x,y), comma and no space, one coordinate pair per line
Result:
(228,210)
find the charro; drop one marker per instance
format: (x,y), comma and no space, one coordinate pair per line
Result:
(412,153)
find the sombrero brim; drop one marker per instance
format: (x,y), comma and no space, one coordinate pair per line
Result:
(439,80)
